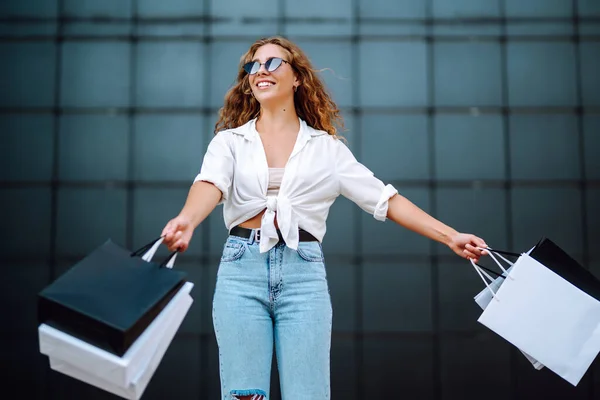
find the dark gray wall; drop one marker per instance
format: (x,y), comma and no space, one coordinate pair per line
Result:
(484,113)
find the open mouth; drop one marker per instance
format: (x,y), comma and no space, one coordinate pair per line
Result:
(265,84)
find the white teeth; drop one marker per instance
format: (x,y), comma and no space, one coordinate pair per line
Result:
(264,84)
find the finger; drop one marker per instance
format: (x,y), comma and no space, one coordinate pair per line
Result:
(478,251)
(180,245)
(166,230)
(170,241)
(479,242)
(173,229)
(175,234)
(470,255)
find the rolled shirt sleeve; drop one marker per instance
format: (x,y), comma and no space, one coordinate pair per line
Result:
(358,184)
(217,165)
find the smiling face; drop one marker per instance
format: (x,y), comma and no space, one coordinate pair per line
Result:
(276,86)
(311,102)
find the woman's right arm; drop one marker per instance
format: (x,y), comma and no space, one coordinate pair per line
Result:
(202,199)
(210,188)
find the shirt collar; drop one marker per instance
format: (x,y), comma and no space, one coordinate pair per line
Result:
(248,130)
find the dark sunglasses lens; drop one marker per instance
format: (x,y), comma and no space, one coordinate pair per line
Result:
(252,67)
(273,63)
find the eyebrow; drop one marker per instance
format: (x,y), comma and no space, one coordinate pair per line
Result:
(256,59)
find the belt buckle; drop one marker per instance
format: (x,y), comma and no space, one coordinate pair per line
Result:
(257,235)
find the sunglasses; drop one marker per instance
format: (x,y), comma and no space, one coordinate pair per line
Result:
(270,65)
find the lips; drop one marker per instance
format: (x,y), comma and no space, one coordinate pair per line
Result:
(263,84)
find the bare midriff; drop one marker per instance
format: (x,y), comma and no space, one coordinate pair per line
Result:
(254,222)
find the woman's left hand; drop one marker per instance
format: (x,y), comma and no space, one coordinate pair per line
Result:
(468,246)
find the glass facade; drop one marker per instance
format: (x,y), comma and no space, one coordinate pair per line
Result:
(484,113)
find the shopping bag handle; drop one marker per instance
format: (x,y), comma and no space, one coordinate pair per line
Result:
(506,253)
(170,261)
(481,272)
(145,248)
(490,271)
(150,249)
(491,252)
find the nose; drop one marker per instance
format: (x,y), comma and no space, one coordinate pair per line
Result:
(262,69)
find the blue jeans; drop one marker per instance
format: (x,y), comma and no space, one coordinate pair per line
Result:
(276,299)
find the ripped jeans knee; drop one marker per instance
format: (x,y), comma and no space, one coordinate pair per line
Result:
(252,394)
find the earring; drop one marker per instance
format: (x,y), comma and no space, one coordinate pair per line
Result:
(295,89)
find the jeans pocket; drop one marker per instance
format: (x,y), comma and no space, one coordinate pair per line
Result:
(233,250)
(310,251)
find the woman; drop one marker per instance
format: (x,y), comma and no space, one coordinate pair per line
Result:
(277,164)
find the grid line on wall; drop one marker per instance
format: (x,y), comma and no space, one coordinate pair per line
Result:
(55,180)
(345,335)
(280,18)
(212,20)
(581,148)
(282,21)
(508,186)
(358,260)
(131,133)
(363,110)
(580,112)
(205,226)
(305,38)
(432,189)
(212,259)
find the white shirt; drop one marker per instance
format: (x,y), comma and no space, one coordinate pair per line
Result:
(320,168)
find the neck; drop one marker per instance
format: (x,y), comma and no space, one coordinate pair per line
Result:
(280,118)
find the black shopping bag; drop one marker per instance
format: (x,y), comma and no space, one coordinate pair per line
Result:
(110,297)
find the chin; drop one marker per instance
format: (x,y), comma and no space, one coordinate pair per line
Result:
(268,98)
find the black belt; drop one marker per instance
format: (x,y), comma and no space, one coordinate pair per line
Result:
(247,233)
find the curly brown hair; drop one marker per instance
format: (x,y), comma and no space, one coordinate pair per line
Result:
(312,101)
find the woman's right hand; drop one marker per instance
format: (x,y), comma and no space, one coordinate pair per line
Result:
(178,233)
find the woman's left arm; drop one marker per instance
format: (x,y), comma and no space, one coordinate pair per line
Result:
(357,183)
(405,213)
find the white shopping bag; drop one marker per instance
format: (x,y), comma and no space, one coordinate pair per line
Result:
(126,376)
(484,297)
(546,316)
